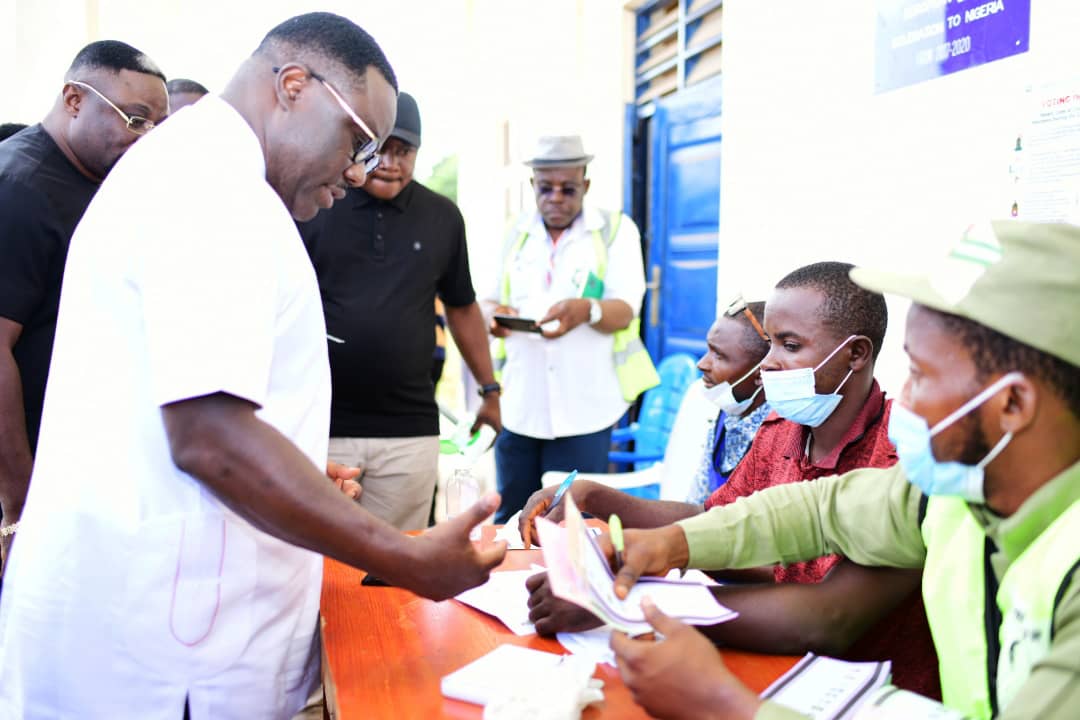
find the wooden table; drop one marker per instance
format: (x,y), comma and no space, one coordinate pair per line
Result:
(385,651)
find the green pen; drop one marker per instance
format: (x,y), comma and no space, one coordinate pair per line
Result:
(615,527)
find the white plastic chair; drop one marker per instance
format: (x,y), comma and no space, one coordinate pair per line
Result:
(686,445)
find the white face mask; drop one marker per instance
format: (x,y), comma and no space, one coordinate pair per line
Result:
(723,395)
(793,393)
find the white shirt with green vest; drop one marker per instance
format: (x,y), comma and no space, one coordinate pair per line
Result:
(565,386)
(1019,660)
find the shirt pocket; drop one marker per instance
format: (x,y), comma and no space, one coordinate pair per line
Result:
(190,594)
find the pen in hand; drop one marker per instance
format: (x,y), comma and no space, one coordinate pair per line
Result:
(615,528)
(561,491)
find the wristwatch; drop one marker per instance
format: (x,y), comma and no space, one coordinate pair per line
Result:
(596,313)
(489,388)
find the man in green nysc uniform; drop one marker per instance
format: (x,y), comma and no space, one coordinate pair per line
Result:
(985,498)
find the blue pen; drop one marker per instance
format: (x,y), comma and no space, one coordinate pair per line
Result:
(562,491)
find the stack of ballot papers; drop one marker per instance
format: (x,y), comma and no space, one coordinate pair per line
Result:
(579,572)
(825,688)
(513,675)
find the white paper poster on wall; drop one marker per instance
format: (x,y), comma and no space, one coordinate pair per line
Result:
(1044,166)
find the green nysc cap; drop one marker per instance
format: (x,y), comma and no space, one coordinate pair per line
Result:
(1019,278)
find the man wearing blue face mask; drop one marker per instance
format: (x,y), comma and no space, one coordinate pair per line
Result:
(825,332)
(985,498)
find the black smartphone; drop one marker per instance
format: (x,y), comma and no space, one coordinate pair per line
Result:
(517,323)
(374,581)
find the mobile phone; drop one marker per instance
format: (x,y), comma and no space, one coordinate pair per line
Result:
(373,581)
(517,323)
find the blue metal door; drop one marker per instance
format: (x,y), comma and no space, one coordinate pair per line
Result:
(683,220)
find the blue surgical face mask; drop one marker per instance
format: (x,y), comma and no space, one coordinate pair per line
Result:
(723,396)
(793,393)
(911,436)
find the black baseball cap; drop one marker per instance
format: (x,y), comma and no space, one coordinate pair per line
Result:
(407,125)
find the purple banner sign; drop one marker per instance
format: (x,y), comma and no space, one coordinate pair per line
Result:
(922,39)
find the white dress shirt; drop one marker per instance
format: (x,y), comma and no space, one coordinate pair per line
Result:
(566,386)
(131,586)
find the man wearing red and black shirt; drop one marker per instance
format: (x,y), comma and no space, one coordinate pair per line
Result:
(816,318)
(778,456)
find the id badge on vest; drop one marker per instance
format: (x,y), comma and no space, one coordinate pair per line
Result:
(589,285)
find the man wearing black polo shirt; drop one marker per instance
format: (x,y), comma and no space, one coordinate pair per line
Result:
(112,94)
(382,255)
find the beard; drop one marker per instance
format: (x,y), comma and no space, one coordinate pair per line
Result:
(976,446)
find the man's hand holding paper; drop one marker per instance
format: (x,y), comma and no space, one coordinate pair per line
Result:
(579,571)
(650,552)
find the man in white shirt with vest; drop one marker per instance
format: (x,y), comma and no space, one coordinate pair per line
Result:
(577,272)
(168,561)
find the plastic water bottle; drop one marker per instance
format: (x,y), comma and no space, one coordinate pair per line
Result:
(462,491)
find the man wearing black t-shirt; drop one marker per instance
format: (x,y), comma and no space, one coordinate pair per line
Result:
(382,255)
(112,95)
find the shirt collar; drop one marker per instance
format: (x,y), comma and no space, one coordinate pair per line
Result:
(871,413)
(361,198)
(1013,535)
(748,422)
(249,149)
(532,223)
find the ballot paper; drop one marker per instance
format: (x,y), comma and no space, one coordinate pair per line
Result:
(825,688)
(594,645)
(504,666)
(504,596)
(579,572)
(510,533)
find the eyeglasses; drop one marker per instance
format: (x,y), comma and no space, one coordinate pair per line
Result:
(365,152)
(567,190)
(135,123)
(738,305)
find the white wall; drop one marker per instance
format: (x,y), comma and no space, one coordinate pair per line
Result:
(818,167)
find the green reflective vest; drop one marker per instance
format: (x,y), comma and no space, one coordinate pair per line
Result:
(989,636)
(634,368)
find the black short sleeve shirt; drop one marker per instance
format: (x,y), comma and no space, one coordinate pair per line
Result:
(42,199)
(380,265)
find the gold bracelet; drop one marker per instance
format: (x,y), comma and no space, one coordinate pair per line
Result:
(9,529)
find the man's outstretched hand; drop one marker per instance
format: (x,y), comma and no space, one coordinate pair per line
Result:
(443,561)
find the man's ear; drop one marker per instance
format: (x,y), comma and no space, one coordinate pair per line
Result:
(292,79)
(862,352)
(73,97)
(1018,405)
(585,186)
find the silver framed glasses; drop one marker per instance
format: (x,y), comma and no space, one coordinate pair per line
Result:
(135,123)
(738,305)
(365,152)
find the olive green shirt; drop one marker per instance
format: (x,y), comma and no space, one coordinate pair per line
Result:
(872,517)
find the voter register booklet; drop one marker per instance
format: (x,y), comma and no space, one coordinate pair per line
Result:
(579,573)
(825,688)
